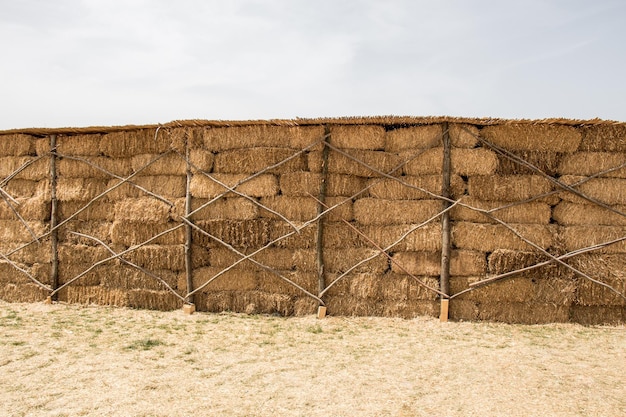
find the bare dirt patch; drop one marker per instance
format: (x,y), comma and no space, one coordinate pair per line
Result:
(61,360)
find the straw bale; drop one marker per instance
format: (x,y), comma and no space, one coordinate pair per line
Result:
(537,137)
(96,228)
(227,208)
(36,208)
(130,233)
(42,272)
(82,144)
(548,162)
(462,263)
(79,189)
(460,310)
(128,143)
(259,302)
(568,214)
(340,164)
(147,210)
(69,271)
(36,171)
(241,234)
(249,161)
(215,302)
(98,210)
(490,237)
(170,164)
(304,239)
(31,254)
(25,188)
(598,315)
(352,306)
(420,137)
(255,136)
(601,266)
(463,135)
(262,186)
(71,168)
(504,260)
(524,313)
(343,209)
(395,287)
(293,208)
(465,162)
(232,280)
(365,286)
(9,274)
(200,255)
(412,310)
(304,306)
(395,190)
(16,145)
(202,159)
(308,183)
(276,258)
(128,278)
(370,137)
(425,238)
(41,145)
(577,237)
(153,300)
(591,294)
(14,231)
(167,186)
(371,211)
(271,283)
(418,292)
(78,294)
(22,293)
(169,257)
(607,190)
(591,163)
(341,259)
(507,187)
(180,137)
(533,212)
(603,138)
(80,253)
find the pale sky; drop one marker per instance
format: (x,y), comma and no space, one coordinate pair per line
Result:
(109,62)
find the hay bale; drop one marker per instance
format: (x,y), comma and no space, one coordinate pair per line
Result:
(96,228)
(524,313)
(598,315)
(36,171)
(408,310)
(128,143)
(99,210)
(591,163)
(352,306)
(22,293)
(304,306)
(604,138)
(548,162)
(308,183)
(227,208)
(216,302)
(202,159)
(78,294)
(9,274)
(463,135)
(71,168)
(460,310)
(371,211)
(420,137)
(273,284)
(129,233)
(537,137)
(254,136)
(41,145)
(26,188)
(478,161)
(16,145)
(370,137)
(294,208)
(152,257)
(504,260)
(340,164)
(37,208)
(80,189)
(490,237)
(507,187)
(153,300)
(607,190)
(69,271)
(14,231)
(171,164)
(589,293)
(395,287)
(425,238)
(462,263)
(262,186)
(167,186)
(80,253)
(341,259)
(418,292)
(304,239)
(570,214)
(577,237)
(249,161)
(395,190)
(534,212)
(232,280)
(241,234)
(148,210)
(83,145)
(259,302)
(32,254)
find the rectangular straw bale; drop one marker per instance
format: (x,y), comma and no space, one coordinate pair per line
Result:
(507,187)
(418,292)
(152,257)
(272,283)
(153,300)
(128,143)
(591,163)
(98,210)
(22,293)
(420,137)
(294,208)
(128,278)
(71,168)
(95,228)
(170,164)
(261,302)
(504,260)
(340,260)
(36,208)
(425,238)
(16,144)
(547,161)
(395,287)
(534,212)
(41,145)
(601,266)
(490,237)
(241,234)
(83,145)
(35,171)
(524,313)
(341,164)
(226,208)
(31,254)
(69,271)
(462,263)
(203,186)
(351,306)
(25,188)
(180,138)
(80,253)
(80,294)
(463,310)
(148,210)
(604,138)
(80,189)
(402,190)
(598,315)
(559,291)
(257,136)
(589,293)
(533,137)
(303,239)
(233,280)
(201,159)
(370,211)
(463,135)
(214,302)
(410,310)
(130,233)
(308,183)
(14,231)
(10,274)
(304,306)
(364,286)
(478,161)
(275,258)
(166,186)
(371,137)
(252,160)
(570,214)
(607,190)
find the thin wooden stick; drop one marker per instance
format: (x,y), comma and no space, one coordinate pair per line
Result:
(35,280)
(188,229)
(319,243)
(54,232)
(444,280)
(17,214)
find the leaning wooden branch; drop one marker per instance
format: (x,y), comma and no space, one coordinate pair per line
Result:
(35,280)
(17,214)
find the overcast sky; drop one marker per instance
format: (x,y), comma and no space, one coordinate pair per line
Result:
(109,62)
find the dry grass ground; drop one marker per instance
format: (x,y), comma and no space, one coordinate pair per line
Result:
(59,360)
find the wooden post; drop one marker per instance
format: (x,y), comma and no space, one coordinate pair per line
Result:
(444,281)
(320,223)
(188,237)
(54,234)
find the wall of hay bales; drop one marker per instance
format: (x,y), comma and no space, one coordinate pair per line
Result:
(283,216)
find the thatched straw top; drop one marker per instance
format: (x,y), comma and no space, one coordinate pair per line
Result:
(380,120)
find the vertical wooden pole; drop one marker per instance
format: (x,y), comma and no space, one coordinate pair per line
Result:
(54,235)
(444,280)
(320,222)
(188,234)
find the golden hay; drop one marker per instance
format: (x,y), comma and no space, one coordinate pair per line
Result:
(460,310)
(598,315)
(425,238)
(152,257)
(589,293)
(41,145)
(606,190)
(10,274)
(22,293)
(569,214)
(35,171)
(463,135)
(255,136)
(304,239)
(577,237)
(249,161)
(262,186)
(77,294)
(232,280)
(98,229)
(80,189)
(69,271)
(167,186)
(14,231)
(341,259)
(146,210)
(36,208)
(604,138)
(99,210)
(201,159)
(395,190)
(507,188)
(504,260)
(462,263)
(371,137)
(129,233)
(466,162)
(228,208)
(153,300)
(370,211)
(276,258)
(410,310)
(272,283)
(215,302)
(240,234)
(71,168)
(524,313)
(80,253)
(16,145)
(304,306)
(171,164)
(533,212)
(27,188)
(490,237)
(340,164)
(308,183)
(83,145)
(181,137)
(558,291)
(128,278)
(259,302)
(539,137)
(548,162)
(124,144)
(395,287)
(294,208)
(591,163)
(420,137)
(31,254)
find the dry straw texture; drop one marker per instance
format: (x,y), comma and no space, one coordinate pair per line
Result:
(577,237)
(403,188)
(16,145)
(533,138)
(490,237)
(532,212)
(606,190)
(371,137)
(203,186)
(570,214)
(604,138)
(477,161)
(258,136)
(591,163)
(462,263)
(249,161)
(507,188)
(372,163)
(369,211)
(546,161)
(420,137)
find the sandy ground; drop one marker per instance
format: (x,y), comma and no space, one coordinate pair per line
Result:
(63,360)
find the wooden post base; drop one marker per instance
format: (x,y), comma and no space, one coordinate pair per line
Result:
(443,315)
(189,308)
(321,312)
(48,300)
